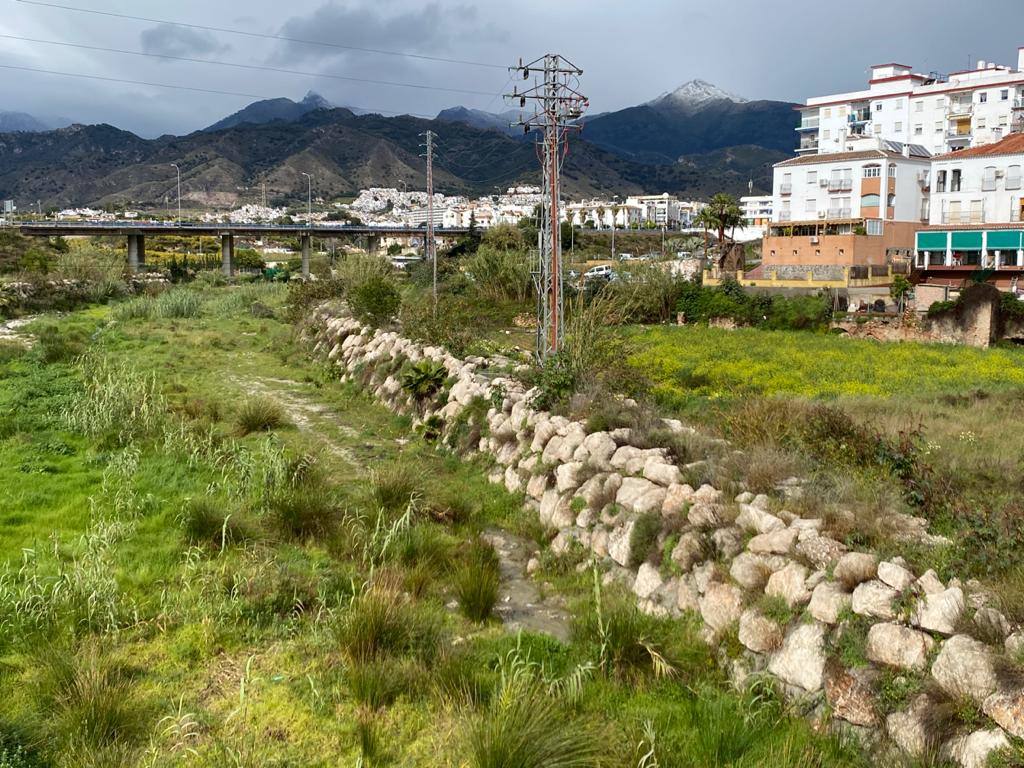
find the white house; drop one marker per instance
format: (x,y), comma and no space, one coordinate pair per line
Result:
(982,185)
(757,210)
(940,112)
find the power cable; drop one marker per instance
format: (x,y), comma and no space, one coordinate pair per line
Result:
(260,68)
(189,88)
(263,35)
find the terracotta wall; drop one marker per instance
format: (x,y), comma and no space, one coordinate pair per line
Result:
(844,250)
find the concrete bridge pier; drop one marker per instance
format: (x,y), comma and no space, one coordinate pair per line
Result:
(227,255)
(136,252)
(372,244)
(307,247)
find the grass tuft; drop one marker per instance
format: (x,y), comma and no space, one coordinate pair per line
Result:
(476,583)
(260,414)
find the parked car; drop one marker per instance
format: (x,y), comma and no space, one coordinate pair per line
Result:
(626,257)
(603,272)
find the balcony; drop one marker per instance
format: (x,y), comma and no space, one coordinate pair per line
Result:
(860,116)
(959,109)
(959,137)
(809,124)
(1018,103)
(840,185)
(963,217)
(808,145)
(785,189)
(839,213)
(785,216)
(924,179)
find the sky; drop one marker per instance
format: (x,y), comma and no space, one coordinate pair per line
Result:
(629,52)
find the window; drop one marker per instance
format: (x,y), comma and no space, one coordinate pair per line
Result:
(870,201)
(954,181)
(981,122)
(874,227)
(891,200)
(940,102)
(897,127)
(878,107)
(988,179)
(1013,177)
(1003,121)
(939,127)
(940,181)
(919,105)
(810,205)
(826,134)
(842,111)
(919,130)
(892,171)
(872,171)
(828,112)
(1004,95)
(983,98)
(812,177)
(877,129)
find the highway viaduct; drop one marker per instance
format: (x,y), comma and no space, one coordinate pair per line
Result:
(136,232)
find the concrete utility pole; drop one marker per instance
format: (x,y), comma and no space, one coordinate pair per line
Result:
(178,171)
(558,106)
(309,199)
(430,245)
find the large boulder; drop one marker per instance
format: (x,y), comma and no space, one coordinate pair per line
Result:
(855,568)
(966,667)
(597,449)
(775,543)
(895,575)
(898,646)
(720,606)
(639,495)
(728,542)
(940,611)
(789,583)
(755,520)
(568,476)
(911,729)
(619,547)
(704,514)
(851,694)
(648,581)
(659,471)
(873,598)
(752,571)
(1007,709)
(821,551)
(687,596)
(828,601)
(690,550)
(801,660)
(556,510)
(759,633)
(973,750)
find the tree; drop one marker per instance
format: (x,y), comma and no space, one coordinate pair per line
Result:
(725,213)
(472,223)
(899,289)
(705,219)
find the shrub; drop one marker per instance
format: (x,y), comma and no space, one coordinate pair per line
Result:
(394,488)
(178,303)
(139,308)
(378,683)
(117,400)
(56,344)
(476,583)
(501,274)
(424,379)
(643,541)
(375,301)
(304,295)
(260,414)
(205,522)
(381,623)
(305,510)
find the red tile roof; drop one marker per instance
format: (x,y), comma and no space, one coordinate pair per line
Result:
(1011,145)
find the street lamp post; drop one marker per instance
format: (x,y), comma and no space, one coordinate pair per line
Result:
(309,199)
(178,171)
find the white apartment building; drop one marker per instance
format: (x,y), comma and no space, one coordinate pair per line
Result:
(660,210)
(983,185)
(602,214)
(943,113)
(849,185)
(757,210)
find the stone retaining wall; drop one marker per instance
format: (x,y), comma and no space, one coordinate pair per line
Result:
(726,560)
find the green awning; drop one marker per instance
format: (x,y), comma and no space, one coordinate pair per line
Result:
(967,241)
(932,241)
(1004,240)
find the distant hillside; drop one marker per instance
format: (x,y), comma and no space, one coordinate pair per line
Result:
(267,111)
(20,121)
(477,118)
(344,152)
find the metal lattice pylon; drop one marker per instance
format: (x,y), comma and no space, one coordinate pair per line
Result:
(558,107)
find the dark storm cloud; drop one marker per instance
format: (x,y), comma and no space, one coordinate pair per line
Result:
(428,28)
(171,40)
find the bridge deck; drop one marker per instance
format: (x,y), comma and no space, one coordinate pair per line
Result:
(123,228)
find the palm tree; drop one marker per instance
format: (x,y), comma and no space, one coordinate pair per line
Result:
(725,213)
(706,221)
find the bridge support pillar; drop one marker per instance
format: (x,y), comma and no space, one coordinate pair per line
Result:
(136,252)
(372,244)
(307,247)
(227,255)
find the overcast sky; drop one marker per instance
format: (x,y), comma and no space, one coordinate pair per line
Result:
(630,52)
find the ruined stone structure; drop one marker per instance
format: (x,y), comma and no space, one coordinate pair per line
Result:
(725,558)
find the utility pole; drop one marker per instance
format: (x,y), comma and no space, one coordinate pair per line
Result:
(178,171)
(558,106)
(431,248)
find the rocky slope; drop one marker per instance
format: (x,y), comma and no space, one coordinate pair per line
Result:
(882,650)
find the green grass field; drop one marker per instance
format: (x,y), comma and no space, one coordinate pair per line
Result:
(217,555)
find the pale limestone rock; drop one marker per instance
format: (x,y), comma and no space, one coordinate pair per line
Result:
(855,568)
(661,472)
(689,551)
(631,461)
(775,543)
(929,583)
(1015,645)
(556,510)
(573,439)
(752,571)
(966,667)
(618,543)
(637,495)
(704,575)
(821,551)
(543,431)
(790,584)
(801,660)
(567,476)
(599,448)
(873,598)
(851,695)
(895,575)
(973,750)
(593,490)
(827,601)
(513,480)
(1007,709)
(728,542)
(909,729)
(599,540)
(586,518)
(704,514)
(708,493)
(687,598)
(567,538)
(898,646)
(757,520)
(758,633)
(744,498)
(720,606)
(537,487)
(761,501)
(940,611)
(676,499)
(648,581)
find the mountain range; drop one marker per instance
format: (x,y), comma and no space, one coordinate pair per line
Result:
(693,142)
